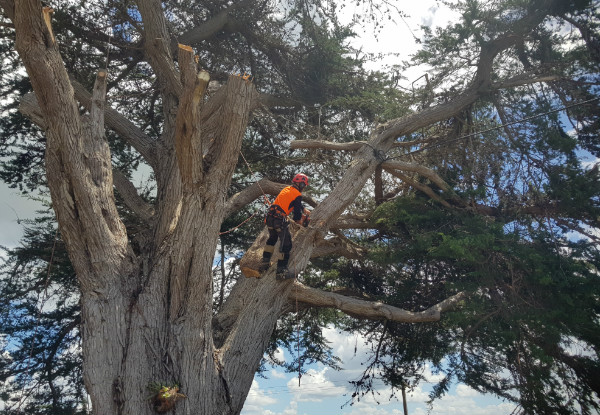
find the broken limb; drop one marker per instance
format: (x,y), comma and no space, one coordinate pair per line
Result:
(372,310)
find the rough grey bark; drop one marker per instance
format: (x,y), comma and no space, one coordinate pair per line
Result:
(148,317)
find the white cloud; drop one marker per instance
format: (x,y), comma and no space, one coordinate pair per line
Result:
(279,354)
(257,399)
(323,388)
(465,391)
(315,387)
(275,374)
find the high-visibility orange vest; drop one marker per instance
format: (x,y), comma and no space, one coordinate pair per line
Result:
(286,197)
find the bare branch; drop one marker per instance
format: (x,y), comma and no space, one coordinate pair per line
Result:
(370,310)
(524,80)
(415,168)
(121,125)
(326,145)
(157,42)
(251,193)
(130,196)
(419,186)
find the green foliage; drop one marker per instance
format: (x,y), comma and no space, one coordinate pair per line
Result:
(40,368)
(532,294)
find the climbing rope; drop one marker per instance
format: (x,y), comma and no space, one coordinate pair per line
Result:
(234,228)
(266,200)
(298,332)
(444,142)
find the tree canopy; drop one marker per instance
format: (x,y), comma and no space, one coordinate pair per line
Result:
(455,221)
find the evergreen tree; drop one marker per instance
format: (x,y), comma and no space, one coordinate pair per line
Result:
(479,205)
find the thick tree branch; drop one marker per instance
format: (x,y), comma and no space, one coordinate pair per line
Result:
(524,79)
(251,193)
(352,222)
(121,125)
(415,168)
(157,41)
(128,131)
(130,196)
(371,310)
(258,190)
(188,140)
(326,145)
(422,187)
(29,107)
(212,26)
(223,121)
(77,159)
(340,246)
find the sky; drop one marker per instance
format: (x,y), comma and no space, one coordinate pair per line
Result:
(324,390)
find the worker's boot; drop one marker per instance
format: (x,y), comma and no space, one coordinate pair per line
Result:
(266,262)
(283,273)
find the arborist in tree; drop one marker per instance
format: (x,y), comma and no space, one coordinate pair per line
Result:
(288,200)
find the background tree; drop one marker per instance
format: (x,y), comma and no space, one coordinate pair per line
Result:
(477,192)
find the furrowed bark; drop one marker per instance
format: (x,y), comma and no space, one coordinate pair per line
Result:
(122,126)
(157,45)
(188,140)
(80,180)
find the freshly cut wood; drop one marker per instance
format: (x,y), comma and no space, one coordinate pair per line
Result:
(252,259)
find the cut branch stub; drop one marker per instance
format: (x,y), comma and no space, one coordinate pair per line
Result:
(252,259)
(47,13)
(188,143)
(97,108)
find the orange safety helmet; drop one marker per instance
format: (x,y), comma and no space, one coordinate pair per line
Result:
(300,178)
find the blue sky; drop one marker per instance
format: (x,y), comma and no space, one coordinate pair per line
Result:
(326,391)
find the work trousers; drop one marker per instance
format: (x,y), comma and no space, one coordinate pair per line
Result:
(278,229)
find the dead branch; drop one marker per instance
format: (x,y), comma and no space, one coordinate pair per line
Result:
(130,196)
(326,145)
(368,309)
(415,168)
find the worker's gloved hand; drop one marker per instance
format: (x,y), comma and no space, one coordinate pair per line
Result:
(305,220)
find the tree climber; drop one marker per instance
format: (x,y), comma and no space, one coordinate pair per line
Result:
(288,200)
